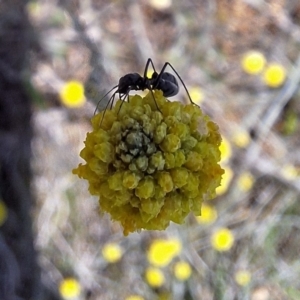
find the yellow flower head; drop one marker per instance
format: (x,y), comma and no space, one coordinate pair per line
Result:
(112,252)
(182,270)
(134,297)
(72,94)
(161,252)
(154,277)
(69,288)
(242,277)
(274,75)
(226,179)
(208,214)
(253,62)
(3,213)
(245,181)
(150,166)
(222,239)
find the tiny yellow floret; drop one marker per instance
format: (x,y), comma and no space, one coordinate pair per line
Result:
(253,62)
(72,94)
(182,270)
(274,75)
(222,239)
(69,288)
(154,277)
(242,277)
(112,252)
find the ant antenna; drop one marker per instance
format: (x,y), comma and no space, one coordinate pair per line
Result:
(103,98)
(149,61)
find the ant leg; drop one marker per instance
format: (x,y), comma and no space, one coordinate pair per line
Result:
(151,91)
(162,71)
(123,99)
(111,100)
(149,61)
(103,98)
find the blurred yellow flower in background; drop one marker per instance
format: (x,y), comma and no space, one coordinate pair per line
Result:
(274,75)
(72,94)
(222,239)
(196,94)
(182,270)
(290,172)
(225,149)
(112,252)
(3,213)
(242,277)
(245,181)
(241,138)
(253,62)
(161,252)
(134,297)
(160,4)
(208,214)
(225,182)
(69,288)
(154,277)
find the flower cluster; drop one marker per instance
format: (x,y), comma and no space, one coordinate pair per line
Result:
(151,161)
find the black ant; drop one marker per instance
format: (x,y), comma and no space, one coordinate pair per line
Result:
(163,81)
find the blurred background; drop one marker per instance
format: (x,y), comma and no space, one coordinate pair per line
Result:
(240,61)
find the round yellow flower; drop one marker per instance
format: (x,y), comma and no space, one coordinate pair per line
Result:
(241,138)
(69,288)
(112,252)
(72,94)
(225,183)
(150,166)
(274,75)
(3,213)
(161,252)
(208,214)
(245,181)
(242,277)
(154,277)
(182,270)
(253,62)
(134,297)
(222,239)
(160,4)
(290,172)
